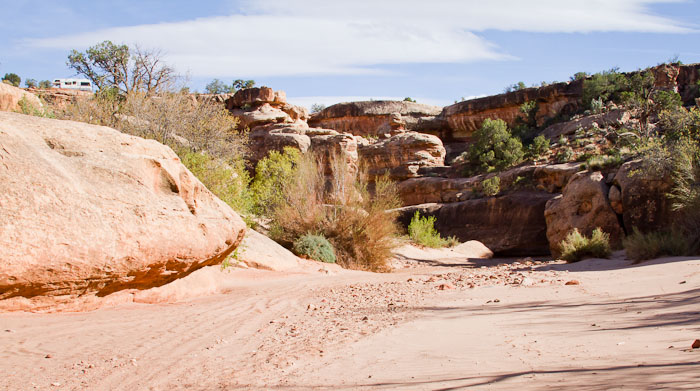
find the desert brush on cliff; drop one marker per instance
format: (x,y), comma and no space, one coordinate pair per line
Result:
(342,208)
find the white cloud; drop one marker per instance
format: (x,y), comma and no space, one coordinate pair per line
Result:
(313,37)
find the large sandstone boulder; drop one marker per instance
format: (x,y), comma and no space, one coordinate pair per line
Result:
(87,210)
(642,199)
(425,190)
(512,224)
(402,154)
(583,205)
(614,118)
(374,118)
(10,96)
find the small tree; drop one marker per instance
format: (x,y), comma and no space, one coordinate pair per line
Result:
(316,107)
(45,84)
(13,79)
(409,99)
(605,86)
(30,83)
(218,87)
(117,66)
(495,148)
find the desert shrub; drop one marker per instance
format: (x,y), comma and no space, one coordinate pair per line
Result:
(272,175)
(678,123)
(12,79)
(515,87)
(601,162)
(25,107)
(316,247)
(173,119)
(604,86)
(317,107)
(353,218)
(495,148)
(597,106)
(564,155)
(563,140)
(227,179)
(539,147)
(491,186)
(642,246)
(576,246)
(30,83)
(45,84)
(667,100)
(422,230)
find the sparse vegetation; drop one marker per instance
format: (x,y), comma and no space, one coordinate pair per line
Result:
(316,247)
(45,84)
(515,87)
(422,230)
(343,210)
(30,83)
(409,99)
(576,246)
(29,109)
(601,162)
(317,107)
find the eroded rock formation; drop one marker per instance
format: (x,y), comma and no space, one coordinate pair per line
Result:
(87,210)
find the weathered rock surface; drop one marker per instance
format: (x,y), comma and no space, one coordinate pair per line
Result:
(402,154)
(374,118)
(583,205)
(512,224)
(60,98)
(642,201)
(87,210)
(264,139)
(336,146)
(615,118)
(464,118)
(11,95)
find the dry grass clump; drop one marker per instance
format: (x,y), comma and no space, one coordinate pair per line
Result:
(642,246)
(203,134)
(341,208)
(576,246)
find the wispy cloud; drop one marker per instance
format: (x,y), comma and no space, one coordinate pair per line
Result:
(316,37)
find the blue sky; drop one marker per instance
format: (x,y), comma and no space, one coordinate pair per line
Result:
(322,51)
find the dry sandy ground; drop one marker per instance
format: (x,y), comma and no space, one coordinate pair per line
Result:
(440,322)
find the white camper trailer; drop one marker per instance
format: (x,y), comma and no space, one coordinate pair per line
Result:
(73,84)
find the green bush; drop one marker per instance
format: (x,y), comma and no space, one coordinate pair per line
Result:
(422,230)
(495,148)
(576,247)
(604,86)
(45,84)
(667,100)
(27,108)
(228,180)
(30,83)
(642,246)
(272,175)
(316,247)
(678,123)
(491,187)
(565,155)
(539,147)
(601,162)
(12,79)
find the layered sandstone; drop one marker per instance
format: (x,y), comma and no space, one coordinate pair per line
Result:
(375,118)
